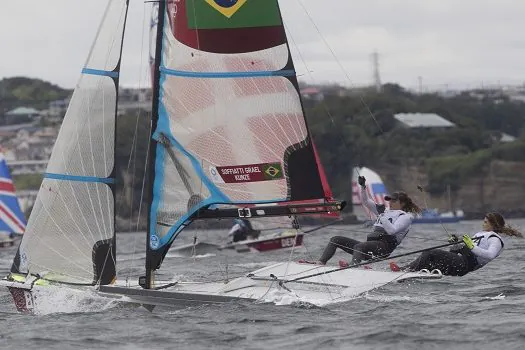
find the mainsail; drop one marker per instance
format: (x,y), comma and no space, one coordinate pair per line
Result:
(230,126)
(12,219)
(70,236)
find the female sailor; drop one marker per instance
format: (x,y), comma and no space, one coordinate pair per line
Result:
(390,228)
(471,254)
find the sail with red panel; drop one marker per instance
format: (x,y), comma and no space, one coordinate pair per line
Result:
(375,188)
(231,136)
(12,219)
(328,194)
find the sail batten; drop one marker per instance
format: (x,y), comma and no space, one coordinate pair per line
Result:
(246,74)
(91,71)
(66,177)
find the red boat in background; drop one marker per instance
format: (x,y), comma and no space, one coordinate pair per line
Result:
(285,239)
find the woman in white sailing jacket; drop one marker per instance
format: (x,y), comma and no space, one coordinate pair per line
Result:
(390,228)
(472,254)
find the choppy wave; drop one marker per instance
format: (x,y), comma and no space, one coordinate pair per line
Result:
(486,307)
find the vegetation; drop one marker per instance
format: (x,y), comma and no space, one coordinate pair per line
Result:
(22,91)
(27,181)
(355,129)
(360,130)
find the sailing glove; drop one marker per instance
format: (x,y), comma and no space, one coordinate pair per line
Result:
(452,238)
(468,241)
(362,181)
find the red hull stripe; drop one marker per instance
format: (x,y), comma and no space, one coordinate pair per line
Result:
(4,210)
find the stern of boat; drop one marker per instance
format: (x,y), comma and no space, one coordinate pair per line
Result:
(23,299)
(20,288)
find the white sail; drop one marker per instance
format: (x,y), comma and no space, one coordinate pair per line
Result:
(70,234)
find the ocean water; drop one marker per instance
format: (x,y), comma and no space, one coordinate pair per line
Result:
(483,310)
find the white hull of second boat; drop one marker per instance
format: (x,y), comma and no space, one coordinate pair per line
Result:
(262,285)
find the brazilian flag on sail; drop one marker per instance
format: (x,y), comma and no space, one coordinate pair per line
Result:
(230,14)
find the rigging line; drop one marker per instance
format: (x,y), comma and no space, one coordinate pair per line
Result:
(325,106)
(342,140)
(68,209)
(339,64)
(330,281)
(368,232)
(73,191)
(420,188)
(135,141)
(183,174)
(36,236)
(196,25)
(293,246)
(258,300)
(309,73)
(64,258)
(59,227)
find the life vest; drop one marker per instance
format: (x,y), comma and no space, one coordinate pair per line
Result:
(483,243)
(380,233)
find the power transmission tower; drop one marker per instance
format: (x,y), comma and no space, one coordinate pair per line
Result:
(377,77)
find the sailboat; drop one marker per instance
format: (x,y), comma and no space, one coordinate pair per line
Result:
(12,219)
(229,140)
(375,188)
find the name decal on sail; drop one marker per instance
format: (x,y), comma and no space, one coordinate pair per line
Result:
(246,173)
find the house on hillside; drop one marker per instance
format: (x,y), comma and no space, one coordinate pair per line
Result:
(8,132)
(30,143)
(20,115)
(501,137)
(134,99)
(422,120)
(312,93)
(58,108)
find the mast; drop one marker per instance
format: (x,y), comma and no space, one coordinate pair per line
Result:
(149,278)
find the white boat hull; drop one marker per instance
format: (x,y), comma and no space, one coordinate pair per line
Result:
(274,283)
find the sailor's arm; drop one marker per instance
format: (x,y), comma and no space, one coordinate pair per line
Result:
(367,202)
(491,252)
(402,224)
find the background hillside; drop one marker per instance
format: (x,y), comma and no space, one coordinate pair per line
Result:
(356,127)
(27,92)
(359,130)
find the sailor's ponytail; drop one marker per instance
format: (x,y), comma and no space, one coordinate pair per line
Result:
(498,224)
(408,204)
(510,231)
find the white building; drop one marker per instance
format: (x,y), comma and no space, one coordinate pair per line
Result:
(423,120)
